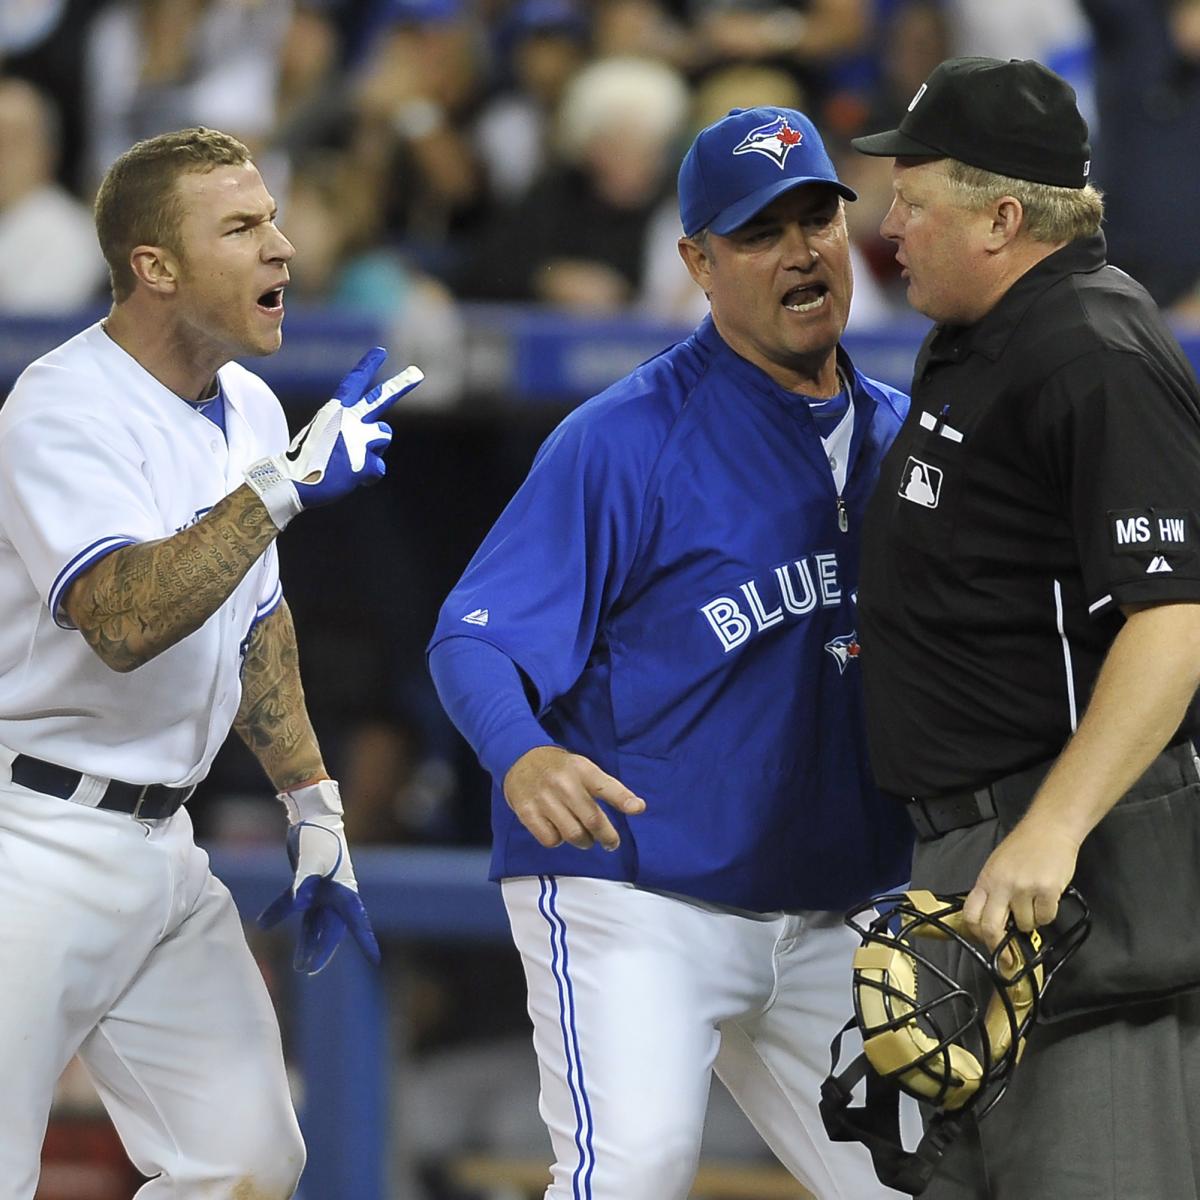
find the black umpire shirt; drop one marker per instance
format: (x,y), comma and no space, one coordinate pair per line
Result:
(1048,471)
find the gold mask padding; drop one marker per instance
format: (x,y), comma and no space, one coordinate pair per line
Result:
(885,985)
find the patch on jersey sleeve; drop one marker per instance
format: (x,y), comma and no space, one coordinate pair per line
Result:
(1150,530)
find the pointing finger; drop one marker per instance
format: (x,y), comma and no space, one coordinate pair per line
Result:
(351,388)
(387,393)
(614,793)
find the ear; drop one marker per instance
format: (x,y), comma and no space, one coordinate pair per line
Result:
(1008,219)
(155,268)
(698,261)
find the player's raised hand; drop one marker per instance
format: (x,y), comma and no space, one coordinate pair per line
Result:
(553,793)
(324,889)
(340,449)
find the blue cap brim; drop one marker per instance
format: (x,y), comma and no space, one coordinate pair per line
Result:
(736,215)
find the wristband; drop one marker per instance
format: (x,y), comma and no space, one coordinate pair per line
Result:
(275,490)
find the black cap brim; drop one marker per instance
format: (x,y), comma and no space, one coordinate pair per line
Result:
(894,144)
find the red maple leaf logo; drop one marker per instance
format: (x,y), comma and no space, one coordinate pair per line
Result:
(789,136)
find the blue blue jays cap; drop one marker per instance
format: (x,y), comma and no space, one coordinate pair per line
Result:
(423,12)
(549,16)
(739,164)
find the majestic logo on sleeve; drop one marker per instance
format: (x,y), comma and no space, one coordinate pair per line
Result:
(477,617)
(775,140)
(800,588)
(845,650)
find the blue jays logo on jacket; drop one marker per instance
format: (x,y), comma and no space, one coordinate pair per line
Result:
(774,140)
(845,650)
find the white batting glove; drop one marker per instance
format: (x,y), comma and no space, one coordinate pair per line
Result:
(324,888)
(340,449)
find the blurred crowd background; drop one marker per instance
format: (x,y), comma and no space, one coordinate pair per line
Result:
(434,156)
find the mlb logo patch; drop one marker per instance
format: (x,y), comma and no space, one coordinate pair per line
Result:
(921,483)
(774,140)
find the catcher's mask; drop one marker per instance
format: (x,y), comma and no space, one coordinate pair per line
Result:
(949,1035)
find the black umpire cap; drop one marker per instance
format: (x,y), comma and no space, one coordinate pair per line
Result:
(1016,118)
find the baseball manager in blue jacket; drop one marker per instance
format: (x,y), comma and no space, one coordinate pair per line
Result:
(654,654)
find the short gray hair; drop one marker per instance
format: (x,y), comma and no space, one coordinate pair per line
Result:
(1052,214)
(611,92)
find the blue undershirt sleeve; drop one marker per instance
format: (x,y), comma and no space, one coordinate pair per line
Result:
(482,692)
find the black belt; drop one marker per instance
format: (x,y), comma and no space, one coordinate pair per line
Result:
(1178,764)
(932,818)
(148,801)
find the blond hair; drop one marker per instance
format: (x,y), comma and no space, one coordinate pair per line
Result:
(137,204)
(1052,214)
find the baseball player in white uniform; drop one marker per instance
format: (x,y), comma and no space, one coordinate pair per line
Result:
(142,487)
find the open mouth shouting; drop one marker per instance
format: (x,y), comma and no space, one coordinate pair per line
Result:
(271,301)
(807,298)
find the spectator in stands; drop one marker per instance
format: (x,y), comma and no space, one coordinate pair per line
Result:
(49,258)
(578,239)
(642,27)
(165,64)
(803,37)
(414,102)
(345,265)
(1147,68)
(1017,28)
(541,45)
(43,42)
(910,38)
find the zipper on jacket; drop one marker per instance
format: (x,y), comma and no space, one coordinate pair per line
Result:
(843,516)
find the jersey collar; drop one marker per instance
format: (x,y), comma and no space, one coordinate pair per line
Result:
(714,345)
(990,335)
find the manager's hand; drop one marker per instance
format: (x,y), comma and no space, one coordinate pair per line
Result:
(554,793)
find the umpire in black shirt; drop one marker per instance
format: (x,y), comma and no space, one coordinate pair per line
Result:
(1030,621)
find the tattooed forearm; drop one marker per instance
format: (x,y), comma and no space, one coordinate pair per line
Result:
(140,600)
(272,719)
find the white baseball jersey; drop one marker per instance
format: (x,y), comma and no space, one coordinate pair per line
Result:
(96,454)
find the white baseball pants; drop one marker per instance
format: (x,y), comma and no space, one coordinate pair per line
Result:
(637,997)
(118,944)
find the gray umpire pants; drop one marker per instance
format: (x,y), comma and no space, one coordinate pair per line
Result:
(1102,1107)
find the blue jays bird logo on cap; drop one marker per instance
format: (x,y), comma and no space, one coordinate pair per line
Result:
(775,140)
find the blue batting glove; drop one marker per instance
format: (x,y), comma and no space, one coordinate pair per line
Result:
(340,449)
(324,889)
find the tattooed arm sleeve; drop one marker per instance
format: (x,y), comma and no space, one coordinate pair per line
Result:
(140,600)
(273,720)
